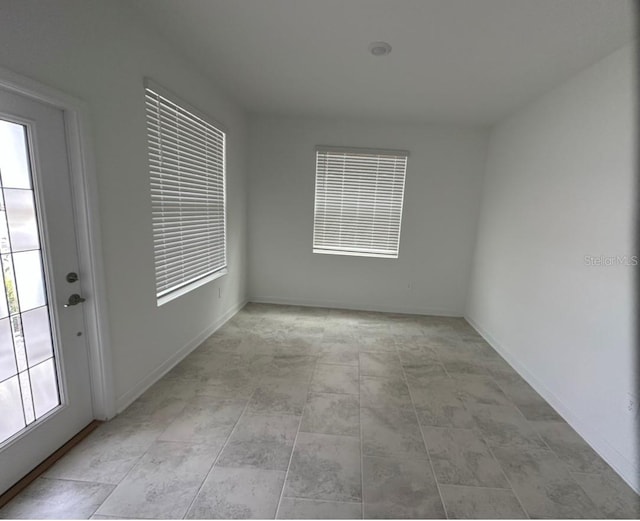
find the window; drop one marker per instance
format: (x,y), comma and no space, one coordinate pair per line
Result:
(358,205)
(187,170)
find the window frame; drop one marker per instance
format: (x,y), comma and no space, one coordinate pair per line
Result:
(356,251)
(184,288)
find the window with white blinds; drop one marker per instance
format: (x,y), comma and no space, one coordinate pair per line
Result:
(358,203)
(187,171)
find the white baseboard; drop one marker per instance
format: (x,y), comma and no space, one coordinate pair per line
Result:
(129,397)
(359,306)
(627,469)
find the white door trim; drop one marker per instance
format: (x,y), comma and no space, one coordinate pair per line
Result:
(87,221)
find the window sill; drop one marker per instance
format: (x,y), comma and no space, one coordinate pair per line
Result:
(356,253)
(190,287)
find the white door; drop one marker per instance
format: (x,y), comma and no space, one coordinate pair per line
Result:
(45,393)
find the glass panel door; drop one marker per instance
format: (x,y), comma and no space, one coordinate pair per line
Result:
(45,384)
(29,386)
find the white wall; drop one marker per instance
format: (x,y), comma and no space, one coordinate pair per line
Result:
(559,185)
(97,51)
(440,210)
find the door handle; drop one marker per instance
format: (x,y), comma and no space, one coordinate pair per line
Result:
(74,300)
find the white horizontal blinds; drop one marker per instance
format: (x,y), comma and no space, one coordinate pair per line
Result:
(187,168)
(358,204)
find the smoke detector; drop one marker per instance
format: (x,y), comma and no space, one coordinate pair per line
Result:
(379,48)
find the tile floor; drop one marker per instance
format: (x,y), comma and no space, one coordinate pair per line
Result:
(311,413)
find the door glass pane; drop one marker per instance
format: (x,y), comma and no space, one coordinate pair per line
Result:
(28,268)
(37,335)
(14,160)
(10,408)
(5,245)
(10,284)
(4,311)
(7,358)
(28,376)
(44,383)
(21,216)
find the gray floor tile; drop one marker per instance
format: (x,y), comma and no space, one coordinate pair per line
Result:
(296,346)
(442,337)
(202,365)
(205,420)
(614,498)
(57,499)
(338,354)
(343,334)
(419,377)
(530,403)
(570,447)
(219,342)
(500,367)
(309,327)
(391,432)
(377,391)
(404,329)
(417,353)
(400,489)
(537,410)
(188,371)
(108,453)
(480,503)
(477,349)
(454,367)
(544,486)
(263,442)
(163,483)
(414,342)
(461,457)
(466,332)
(332,414)
(298,367)
(325,467)
(480,390)
(375,340)
(292,508)
(228,388)
(335,379)
(422,374)
(411,339)
(445,415)
(230,493)
(162,402)
(254,344)
(505,426)
(279,396)
(437,404)
(380,364)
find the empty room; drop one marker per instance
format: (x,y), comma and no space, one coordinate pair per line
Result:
(318,259)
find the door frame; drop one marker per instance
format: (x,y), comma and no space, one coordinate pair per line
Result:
(83,180)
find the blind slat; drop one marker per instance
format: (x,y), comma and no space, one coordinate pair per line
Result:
(358,202)
(187,183)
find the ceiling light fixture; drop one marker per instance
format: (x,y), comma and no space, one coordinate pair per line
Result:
(379,48)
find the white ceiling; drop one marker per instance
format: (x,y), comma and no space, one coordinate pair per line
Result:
(453,61)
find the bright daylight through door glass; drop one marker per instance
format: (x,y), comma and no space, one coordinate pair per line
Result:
(28,376)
